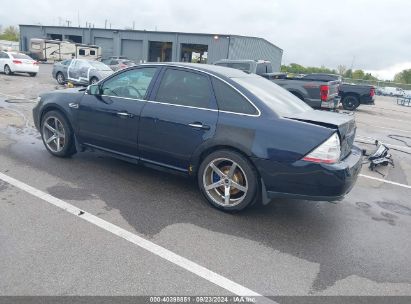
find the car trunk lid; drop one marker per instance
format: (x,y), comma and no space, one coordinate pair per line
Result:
(343,123)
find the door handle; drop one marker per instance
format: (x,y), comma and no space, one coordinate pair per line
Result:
(199,125)
(124,114)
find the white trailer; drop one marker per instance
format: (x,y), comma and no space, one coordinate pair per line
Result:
(56,50)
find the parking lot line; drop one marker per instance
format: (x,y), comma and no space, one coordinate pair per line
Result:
(385,181)
(162,252)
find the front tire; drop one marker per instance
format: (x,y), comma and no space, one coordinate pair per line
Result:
(60,78)
(57,134)
(7,70)
(228,181)
(350,102)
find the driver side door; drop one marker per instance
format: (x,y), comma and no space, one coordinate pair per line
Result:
(110,120)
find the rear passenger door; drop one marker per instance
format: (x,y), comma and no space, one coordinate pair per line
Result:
(180,115)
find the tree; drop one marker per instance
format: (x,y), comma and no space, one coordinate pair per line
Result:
(403,77)
(10,33)
(358,74)
(348,73)
(341,69)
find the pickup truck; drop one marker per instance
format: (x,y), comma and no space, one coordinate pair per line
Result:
(317,94)
(352,95)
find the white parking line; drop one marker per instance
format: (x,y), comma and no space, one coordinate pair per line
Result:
(385,181)
(162,252)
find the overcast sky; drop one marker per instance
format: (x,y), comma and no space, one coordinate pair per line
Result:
(374,35)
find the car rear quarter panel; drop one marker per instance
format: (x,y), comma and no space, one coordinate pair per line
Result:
(279,140)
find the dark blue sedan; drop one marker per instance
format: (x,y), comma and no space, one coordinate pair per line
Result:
(243,137)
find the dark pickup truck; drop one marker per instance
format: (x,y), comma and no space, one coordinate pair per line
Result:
(318,94)
(352,95)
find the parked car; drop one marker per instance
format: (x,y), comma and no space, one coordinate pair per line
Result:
(317,94)
(118,64)
(352,95)
(241,136)
(392,91)
(258,67)
(12,62)
(80,71)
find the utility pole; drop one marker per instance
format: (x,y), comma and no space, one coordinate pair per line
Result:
(68,23)
(134,25)
(105,24)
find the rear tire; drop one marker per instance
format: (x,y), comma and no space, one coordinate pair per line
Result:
(33,74)
(57,134)
(350,102)
(228,181)
(7,70)
(60,78)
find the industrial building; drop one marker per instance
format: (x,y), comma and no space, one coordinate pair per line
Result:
(154,46)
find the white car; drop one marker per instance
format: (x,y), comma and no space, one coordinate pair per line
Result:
(12,62)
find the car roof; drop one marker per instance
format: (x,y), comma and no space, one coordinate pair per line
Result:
(208,68)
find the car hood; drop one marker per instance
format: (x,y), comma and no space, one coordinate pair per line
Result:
(343,123)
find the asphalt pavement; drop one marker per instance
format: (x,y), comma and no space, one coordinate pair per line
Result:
(359,246)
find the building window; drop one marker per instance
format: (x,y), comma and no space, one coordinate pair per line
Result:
(55,36)
(82,52)
(160,51)
(92,52)
(196,53)
(74,38)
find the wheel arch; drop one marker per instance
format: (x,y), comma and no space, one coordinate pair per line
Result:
(201,155)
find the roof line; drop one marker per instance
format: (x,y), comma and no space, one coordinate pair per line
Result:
(146,31)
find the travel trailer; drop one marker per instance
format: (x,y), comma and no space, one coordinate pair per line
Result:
(56,50)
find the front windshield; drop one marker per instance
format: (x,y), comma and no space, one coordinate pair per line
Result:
(99,66)
(278,99)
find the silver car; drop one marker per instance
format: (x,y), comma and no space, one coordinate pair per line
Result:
(80,71)
(118,64)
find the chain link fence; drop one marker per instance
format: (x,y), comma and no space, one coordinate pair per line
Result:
(378,83)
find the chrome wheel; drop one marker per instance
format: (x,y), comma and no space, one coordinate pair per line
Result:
(60,78)
(54,135)
(225,182)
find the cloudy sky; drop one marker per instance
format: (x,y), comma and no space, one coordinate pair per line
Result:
(374,35)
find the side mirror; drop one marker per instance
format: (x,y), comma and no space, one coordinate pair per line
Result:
(94,89)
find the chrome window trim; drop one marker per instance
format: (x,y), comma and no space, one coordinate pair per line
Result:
(212,75)
(191,107)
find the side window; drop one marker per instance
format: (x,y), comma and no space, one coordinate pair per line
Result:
(230,100)
(185,88)
(66,62)
(130,84)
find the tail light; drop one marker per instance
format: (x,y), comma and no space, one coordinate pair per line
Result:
(328,153)
(324,91)
(17,62)
(123,66)
(35,63)
(372,92)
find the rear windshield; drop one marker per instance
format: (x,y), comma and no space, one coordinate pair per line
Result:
(99,66)
(127,62)
(243,66)
(276,98)
(20,56)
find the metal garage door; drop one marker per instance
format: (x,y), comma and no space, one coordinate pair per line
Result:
(132,49)
(106,45)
